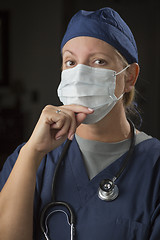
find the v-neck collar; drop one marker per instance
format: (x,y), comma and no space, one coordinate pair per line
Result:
(85,186)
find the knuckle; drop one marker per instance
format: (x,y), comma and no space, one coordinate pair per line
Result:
(46,108)
(59,124)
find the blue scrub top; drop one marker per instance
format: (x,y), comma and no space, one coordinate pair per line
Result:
(134,215)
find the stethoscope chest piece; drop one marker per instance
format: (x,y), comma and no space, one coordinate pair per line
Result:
(108,191)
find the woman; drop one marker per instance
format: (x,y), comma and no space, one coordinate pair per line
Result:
(100,69)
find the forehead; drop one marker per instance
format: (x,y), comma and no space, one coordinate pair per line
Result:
(88,45)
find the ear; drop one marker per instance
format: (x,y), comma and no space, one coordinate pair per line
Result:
(131,76)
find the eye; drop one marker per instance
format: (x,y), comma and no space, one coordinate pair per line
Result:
(69,63)
(100,62)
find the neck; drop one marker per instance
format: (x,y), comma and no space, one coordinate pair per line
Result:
(113,128)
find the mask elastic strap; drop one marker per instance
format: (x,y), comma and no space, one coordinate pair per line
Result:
(122,70)
(120,97)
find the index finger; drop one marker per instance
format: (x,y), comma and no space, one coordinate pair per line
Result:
(78,108)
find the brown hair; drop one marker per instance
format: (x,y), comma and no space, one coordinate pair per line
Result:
(129,100)
(129,97)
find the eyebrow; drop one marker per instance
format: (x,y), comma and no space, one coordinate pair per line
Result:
(102,53)
(68,52)
(91,54)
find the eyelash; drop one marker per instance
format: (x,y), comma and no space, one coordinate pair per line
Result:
(70,63)
(103,62)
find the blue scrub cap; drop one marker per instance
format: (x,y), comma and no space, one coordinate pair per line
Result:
(107,25)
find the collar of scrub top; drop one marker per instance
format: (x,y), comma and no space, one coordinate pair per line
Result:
(71,216)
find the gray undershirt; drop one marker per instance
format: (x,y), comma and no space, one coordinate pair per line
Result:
(98,155)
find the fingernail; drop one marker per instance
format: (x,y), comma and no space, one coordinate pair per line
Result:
(57,138)
(90,109)
(71,137)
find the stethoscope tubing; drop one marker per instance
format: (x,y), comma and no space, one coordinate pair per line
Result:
(53,203)
(61,158)
(129,153)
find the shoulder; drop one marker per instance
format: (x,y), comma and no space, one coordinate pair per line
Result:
(8,165)
(149,145)
(148,153)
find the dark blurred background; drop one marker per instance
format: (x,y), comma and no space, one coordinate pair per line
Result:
(30,60)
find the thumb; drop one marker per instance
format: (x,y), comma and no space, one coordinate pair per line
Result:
(80,118)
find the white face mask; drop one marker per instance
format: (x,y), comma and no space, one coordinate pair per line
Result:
(90,87)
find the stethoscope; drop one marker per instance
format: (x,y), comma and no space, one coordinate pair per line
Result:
(108,190)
